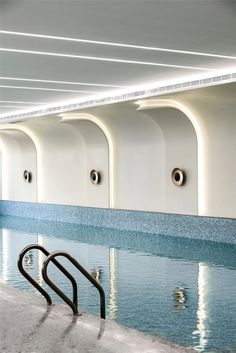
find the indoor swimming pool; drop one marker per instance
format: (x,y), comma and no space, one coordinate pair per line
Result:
(179,289)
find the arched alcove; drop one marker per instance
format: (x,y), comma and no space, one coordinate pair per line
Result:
(136,159)
(180,151)
(96,154)
(18,155)
(60,161)
(214,108)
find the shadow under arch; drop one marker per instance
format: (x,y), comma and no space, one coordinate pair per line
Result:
(148,104)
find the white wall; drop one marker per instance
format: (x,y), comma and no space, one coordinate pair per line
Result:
(61,162)
(214,109)
(219,124)
(96,155)
(138,173)
(18,154)
(180,151)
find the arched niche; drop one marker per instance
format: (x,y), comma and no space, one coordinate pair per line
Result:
(18,154)
(180,151)
(215,109)
(60,161)
(98,147)
(136,163)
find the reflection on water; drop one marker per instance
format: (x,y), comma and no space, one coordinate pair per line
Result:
(112,282)
(5,255)
(180,298)
(178,289)
(28,260)
(202,309)
(40,257)
(96,273)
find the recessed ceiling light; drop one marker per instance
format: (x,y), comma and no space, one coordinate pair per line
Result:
(96,58)
(124,45)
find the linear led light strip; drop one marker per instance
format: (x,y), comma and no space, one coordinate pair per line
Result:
(20,102)
(60,82)
(13,106)
(45,89)
(114,44)
(96,58)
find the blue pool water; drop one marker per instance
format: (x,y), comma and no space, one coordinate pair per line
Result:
(179,289)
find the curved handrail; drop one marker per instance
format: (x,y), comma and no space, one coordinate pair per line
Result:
(74,307)
(56,263)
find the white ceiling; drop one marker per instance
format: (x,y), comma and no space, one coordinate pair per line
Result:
(41,70)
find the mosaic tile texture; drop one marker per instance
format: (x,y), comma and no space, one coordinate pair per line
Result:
(193,227)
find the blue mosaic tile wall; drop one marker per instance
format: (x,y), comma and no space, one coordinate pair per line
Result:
(193,227)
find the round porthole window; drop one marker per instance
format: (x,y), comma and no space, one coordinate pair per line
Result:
(95,177)
(27,176)
(178,177)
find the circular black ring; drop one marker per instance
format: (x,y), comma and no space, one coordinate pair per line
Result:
(178,177)
(27,176)
(95,177)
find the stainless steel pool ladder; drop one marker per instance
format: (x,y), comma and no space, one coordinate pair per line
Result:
(50,257)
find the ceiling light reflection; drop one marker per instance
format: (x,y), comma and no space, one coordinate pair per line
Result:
(112,280)
(41,258)
(202,310)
